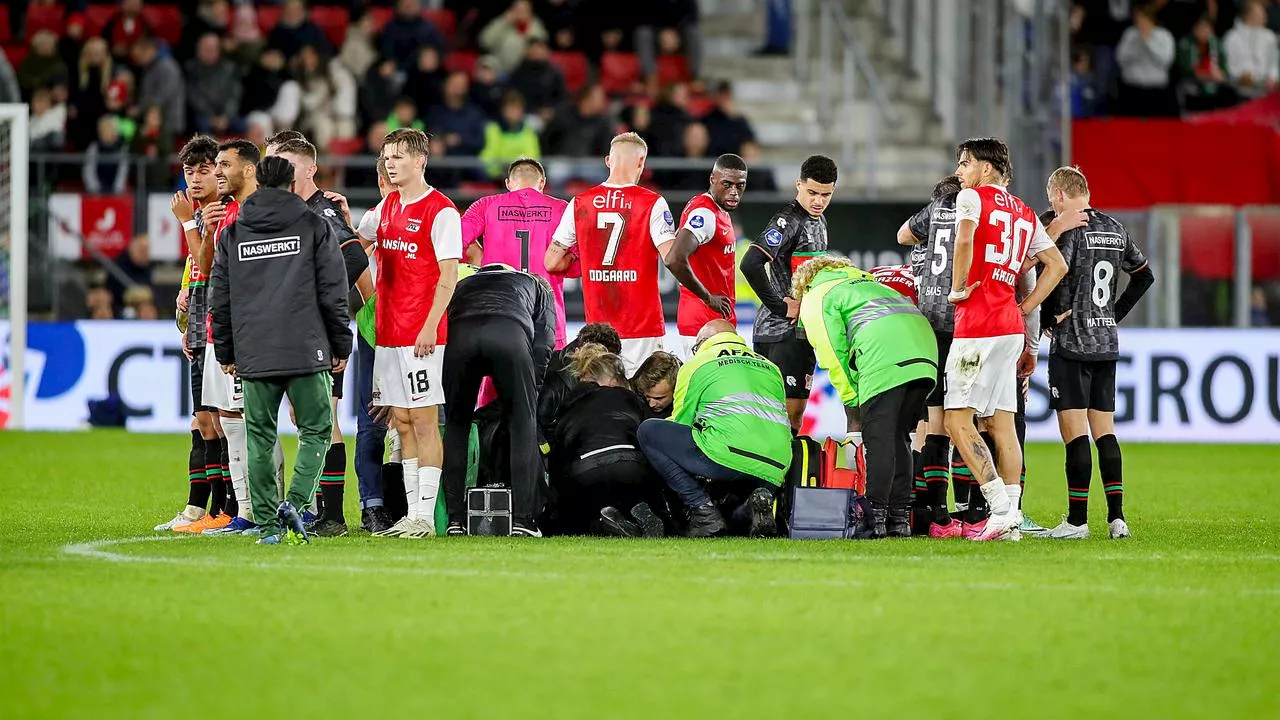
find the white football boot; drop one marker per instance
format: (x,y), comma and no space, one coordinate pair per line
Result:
(1067,531)
(1118,528)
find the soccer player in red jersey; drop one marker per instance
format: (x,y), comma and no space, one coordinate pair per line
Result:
(516,228)
(419,243)
(996,232)
(620,230)
(706,241)
(898,277)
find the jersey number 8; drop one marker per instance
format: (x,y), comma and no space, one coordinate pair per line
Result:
(1103,273)
(1009,254)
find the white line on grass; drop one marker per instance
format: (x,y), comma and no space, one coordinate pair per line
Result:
(97,550)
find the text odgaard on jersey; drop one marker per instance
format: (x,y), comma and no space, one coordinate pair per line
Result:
(613,275)
(273,248)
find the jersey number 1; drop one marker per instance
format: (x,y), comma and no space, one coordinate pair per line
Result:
(614,222)
(523,237)
(1014,238)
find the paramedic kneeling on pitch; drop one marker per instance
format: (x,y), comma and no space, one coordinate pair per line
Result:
(728,425)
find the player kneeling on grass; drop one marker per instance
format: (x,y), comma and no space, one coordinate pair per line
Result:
(881,354)
(728,427)
(279,315)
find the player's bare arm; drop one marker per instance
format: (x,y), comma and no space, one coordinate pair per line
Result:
(213,214)
(675,255)
(558,259)
(1069,220)
(1055,268)
(341,200)
(426,343)
(906,237)
(960,289)
(475,254)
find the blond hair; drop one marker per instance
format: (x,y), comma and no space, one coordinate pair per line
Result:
(805,274)
(632,139)
(593,362)
(1070,181)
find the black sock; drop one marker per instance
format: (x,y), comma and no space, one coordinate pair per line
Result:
(919,490)
(333,480)
(197,476)
(393,499)
(960,479)
(231,506)
(1110,467)
(936,475)
(1079,472)
(213,470)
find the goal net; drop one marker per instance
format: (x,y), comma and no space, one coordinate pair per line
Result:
(14,196)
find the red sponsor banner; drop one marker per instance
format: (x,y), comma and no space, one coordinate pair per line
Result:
(106,221)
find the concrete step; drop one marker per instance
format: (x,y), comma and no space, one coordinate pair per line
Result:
(735,67)
(735,24)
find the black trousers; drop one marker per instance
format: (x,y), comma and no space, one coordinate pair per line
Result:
(498,349)
(887,422)
(586,488)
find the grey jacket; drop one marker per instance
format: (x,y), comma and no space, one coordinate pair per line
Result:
(162,85)
(213,91)
(278,290)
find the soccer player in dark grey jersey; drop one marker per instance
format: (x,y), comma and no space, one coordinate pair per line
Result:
(797,233)
(1083,315)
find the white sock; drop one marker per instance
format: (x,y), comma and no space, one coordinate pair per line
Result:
(411,486)
(191,512)
(1015,495)
(237,452)
(278,454)
(853,441)
(997,498)
(396,455)
(428,489)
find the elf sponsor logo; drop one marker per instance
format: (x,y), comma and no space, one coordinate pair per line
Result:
(515,213)
(613,275)
(273,248)
(407,247)
(612,200)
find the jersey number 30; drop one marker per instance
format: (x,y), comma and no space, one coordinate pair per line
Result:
(614,223)
(1014,238)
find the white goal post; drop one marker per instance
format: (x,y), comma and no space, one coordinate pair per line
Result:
(15,154)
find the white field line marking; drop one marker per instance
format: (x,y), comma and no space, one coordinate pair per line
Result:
(97,550)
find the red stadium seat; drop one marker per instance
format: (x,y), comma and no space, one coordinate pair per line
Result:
(461,60)
(700,105)
(380,16)
(1208,247)
(1266,246)
(672,69)
(343,148)
(574,187)
(96,18)
(333,22)
(268,17)
(6,33)
(165,20)
(444,21)
(573,65)
(618,72)
(16,52)
(474,187)
(44,17)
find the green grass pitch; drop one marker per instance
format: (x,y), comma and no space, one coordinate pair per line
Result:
(1182,620)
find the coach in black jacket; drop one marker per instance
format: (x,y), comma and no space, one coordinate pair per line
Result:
(502,325)
(279,312)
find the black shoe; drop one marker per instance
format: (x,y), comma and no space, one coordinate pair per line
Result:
(898,523)
(613,522)
(762,522)
(650,524)
(328,527)
(525,529)
(375,519)
(879,522)
(455,529)
(705,521)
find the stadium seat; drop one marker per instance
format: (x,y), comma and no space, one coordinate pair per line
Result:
(1208,245)
(333,22)
(573,65)
(444,21)
(345,147)
(44,17)
(1266,246)
(380,16)
(574,187)
(476,187)
(618,72)
(16,52)
(166,21)
(96,18)
(672,69)
(700,105)
(6,33)
(463,60)
(268,17)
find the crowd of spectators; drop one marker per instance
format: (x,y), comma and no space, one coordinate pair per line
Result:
(490,79)
(1164,58)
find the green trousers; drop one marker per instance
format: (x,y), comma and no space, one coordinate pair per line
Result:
(309,396)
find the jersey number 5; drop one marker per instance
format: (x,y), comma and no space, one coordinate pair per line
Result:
(1014,238)
(939,263)
(614,223)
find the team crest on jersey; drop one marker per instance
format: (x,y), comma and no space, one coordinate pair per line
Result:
(696,221)
(773,238)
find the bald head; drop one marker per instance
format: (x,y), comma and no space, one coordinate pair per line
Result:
(715,327)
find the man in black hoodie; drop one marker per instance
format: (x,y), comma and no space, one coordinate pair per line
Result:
(279,314)
(503,325)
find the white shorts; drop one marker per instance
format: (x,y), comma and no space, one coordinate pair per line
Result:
(636,350)
(220,390)
(982,374)
(404,381)
(686,345)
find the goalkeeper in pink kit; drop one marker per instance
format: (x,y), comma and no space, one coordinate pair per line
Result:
(514,228)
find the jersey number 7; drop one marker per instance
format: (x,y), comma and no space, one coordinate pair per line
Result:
(615,223)
(1009,254)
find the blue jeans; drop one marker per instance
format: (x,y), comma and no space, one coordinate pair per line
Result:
(777,25)
(371,438)
(680,462)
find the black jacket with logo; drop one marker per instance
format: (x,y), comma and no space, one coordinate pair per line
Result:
(498,291)
(279,299)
